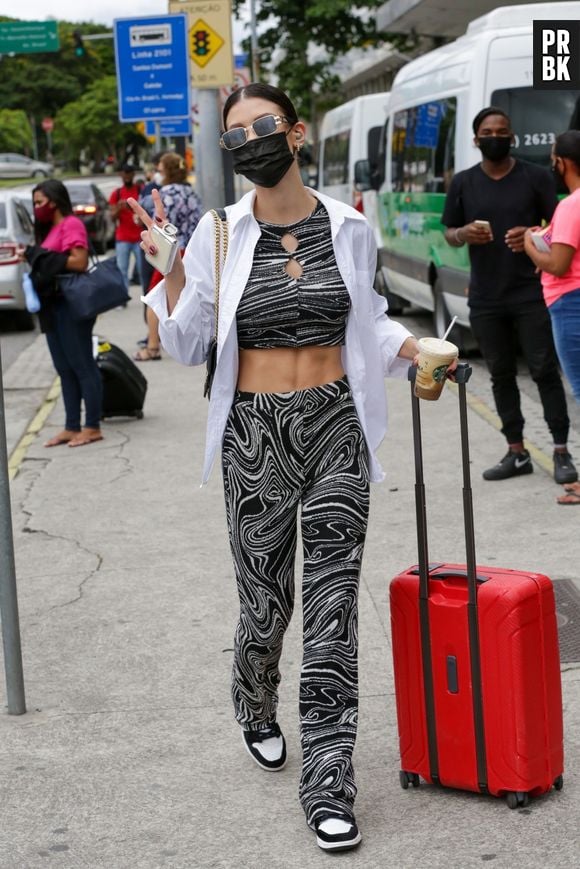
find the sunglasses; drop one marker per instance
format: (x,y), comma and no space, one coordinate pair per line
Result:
(236,138)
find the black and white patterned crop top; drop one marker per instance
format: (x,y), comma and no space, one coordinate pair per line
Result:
(277,310)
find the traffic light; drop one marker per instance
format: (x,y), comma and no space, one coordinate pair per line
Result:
(79,45)
(201,42)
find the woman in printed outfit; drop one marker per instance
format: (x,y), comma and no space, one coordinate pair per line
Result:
(298,408)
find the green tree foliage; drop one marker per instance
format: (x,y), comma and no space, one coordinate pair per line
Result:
(80,93)
(296,27)
(15,132)
(43,83)
(91,122)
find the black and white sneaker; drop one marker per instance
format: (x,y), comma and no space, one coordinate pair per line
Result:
(564,470)
(336,832)
(513,464)
(267,746)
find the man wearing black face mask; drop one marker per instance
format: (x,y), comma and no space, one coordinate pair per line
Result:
(489,207)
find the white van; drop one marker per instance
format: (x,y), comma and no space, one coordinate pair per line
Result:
(428,137)
(350,133)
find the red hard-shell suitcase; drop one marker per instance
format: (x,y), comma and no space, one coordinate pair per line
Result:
(476,660)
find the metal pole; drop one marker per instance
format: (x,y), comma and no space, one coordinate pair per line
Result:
(209,168)
(32,121)
(8,596)
(254,42)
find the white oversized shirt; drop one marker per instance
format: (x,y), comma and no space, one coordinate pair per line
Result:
(372,340)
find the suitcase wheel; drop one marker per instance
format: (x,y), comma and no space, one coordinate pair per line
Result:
(408,778)
(517,799)
(559,783)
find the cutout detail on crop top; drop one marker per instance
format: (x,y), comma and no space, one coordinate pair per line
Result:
(295,295)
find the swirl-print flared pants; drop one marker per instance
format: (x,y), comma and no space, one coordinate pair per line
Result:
(282,452)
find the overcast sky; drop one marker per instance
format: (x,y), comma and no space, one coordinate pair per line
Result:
(99,11)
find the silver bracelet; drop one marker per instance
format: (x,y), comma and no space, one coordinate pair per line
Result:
(459,240)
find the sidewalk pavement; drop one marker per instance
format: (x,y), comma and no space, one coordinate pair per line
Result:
(128,756)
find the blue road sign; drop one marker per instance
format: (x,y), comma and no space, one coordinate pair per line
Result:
(178,127)
(153,78)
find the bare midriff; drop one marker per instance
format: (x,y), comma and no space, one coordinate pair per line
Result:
(286,369)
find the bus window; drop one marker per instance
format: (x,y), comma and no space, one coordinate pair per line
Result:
(537,118)
(423,147)
(335,157)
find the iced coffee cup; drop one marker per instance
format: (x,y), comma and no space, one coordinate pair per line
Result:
(435,357)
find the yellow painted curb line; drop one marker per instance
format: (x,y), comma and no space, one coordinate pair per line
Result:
(481,409)
(19,453)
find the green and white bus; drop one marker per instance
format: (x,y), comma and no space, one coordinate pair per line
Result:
(428,137)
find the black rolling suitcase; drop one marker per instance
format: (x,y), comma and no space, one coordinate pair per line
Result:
(124,386)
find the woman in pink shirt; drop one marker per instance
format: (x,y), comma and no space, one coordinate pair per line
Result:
(62,245)
(561,270)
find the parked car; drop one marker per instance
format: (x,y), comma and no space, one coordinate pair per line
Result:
(15,229)
(19,166)
(90,204)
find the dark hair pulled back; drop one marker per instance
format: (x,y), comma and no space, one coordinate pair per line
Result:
(56,192)
(264,92)
(568,145)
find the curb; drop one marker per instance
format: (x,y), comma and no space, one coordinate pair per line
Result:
(20,450)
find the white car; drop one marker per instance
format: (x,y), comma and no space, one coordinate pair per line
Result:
(15,229)
(19,166)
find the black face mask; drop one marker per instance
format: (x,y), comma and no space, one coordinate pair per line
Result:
(495,148)
(264,161)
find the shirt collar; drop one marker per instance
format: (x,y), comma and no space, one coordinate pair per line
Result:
(338,211)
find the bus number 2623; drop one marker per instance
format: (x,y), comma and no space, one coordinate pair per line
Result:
(531,139)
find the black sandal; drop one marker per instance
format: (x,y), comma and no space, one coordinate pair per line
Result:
(147,354)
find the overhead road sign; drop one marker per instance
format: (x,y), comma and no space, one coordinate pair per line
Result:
(169,127)
(152,68)
(28,37)
(209,40)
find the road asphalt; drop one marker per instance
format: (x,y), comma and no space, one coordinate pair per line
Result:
(128,756)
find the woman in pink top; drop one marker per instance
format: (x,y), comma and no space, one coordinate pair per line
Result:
(62,245)
(561,270)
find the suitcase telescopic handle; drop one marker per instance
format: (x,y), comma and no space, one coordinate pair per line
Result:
(461,375)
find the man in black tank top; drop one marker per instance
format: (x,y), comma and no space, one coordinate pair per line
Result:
(488,207)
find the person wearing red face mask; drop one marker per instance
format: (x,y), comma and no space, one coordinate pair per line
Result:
(61,246)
